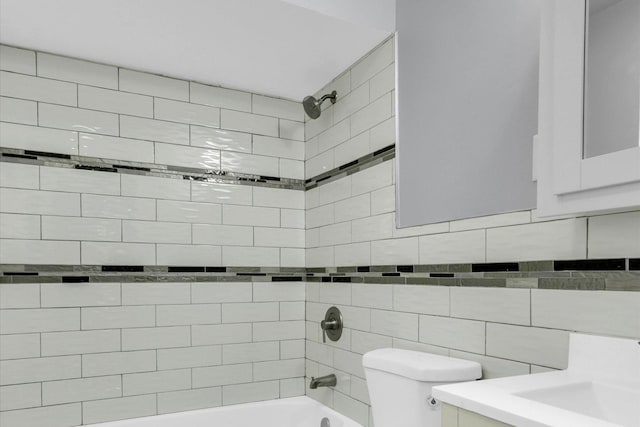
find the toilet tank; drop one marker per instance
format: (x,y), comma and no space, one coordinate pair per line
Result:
(400,383)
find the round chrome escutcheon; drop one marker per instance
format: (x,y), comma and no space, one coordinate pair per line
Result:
(325,422)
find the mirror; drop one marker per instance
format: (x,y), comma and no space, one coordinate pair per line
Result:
(612,76)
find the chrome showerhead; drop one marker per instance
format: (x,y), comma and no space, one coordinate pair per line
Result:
(312,105)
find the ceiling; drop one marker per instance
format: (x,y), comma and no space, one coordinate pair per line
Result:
(285,48)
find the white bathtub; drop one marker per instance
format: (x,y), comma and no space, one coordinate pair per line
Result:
(291,412)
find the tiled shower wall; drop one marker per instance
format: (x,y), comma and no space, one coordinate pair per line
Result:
(512,327)
(105,167)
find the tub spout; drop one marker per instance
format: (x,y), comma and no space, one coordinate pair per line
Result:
(326,381)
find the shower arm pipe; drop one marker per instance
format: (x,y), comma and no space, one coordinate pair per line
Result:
(332,96)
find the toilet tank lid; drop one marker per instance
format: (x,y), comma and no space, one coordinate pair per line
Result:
(421,366)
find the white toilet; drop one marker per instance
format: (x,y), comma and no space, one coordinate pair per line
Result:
(400,382)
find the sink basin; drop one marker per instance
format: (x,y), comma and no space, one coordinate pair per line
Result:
(600,388)
(618,405)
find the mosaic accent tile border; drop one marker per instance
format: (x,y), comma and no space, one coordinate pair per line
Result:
(39,158)
(618,274)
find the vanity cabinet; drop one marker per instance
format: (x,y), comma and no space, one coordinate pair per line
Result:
(453,416)
(587,152)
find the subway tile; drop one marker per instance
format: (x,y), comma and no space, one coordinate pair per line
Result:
(77,390)
(383,82)
(110,147)
(293,169)
(18,111)
(78,71)
(290,129)
(189,357)
(156,232)
(493,305)
(155,188)
(372,64)
(395,324)
(420,230)
(189,255)
(19,175)
(421,299)
(493,367)
(51,416)
(335,234)
(615,235)
(320,216)
(188,314)
(75,228)
(319,164)
(374,113)
(79,181)
(176,211)
(118,317)
(39,320)
(79,342)
(372,178)
(372,295)
(272,331)
(184,112)
(80,294)
(278,147)
(222,234)
(221,292)
(38,139)
(220,97)
(155,130)
(249,163)
(19,346)
(250,312)
(353,149)
(118,207)
(278,369)
(320,257)
(38,89)
(292,310)
(282,108)
(188,157)
(335,293)
(465,335)
(363,342)
(292,387)
(221,375)
(247,122)
(250,215)
(39,369)
(383,134)
(156,293)
(118,409)
(350,103)
(290,257)
(334,191)
(115,101)
(546,347)
(221,193)
(151,84)
(112,253)
(396,251)
(322,123)
(352,408)
(17,60)
(250,352)
(279,237)
(595,312)
(220,139)
(220,334)
(376,227)
(188,400)
(254,392)
(359,390)
(277,197)
(319,353)
(336,134)
(39,252)
(312,197)
(118,363)
(417,346)
(20,396)
(150,338)
(154,382)
(16,226)
(39,202)
(349,362)
(352,208)
(292,218)
(269,291)
(77,119)
(460,247)
(491,221)
(564,239)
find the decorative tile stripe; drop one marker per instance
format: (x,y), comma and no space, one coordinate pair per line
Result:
(536,274)
(11,155)
(360,164)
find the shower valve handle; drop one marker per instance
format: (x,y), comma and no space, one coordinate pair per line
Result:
(331,325)
(327,324)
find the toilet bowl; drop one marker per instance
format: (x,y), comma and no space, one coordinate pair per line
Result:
(400,383)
